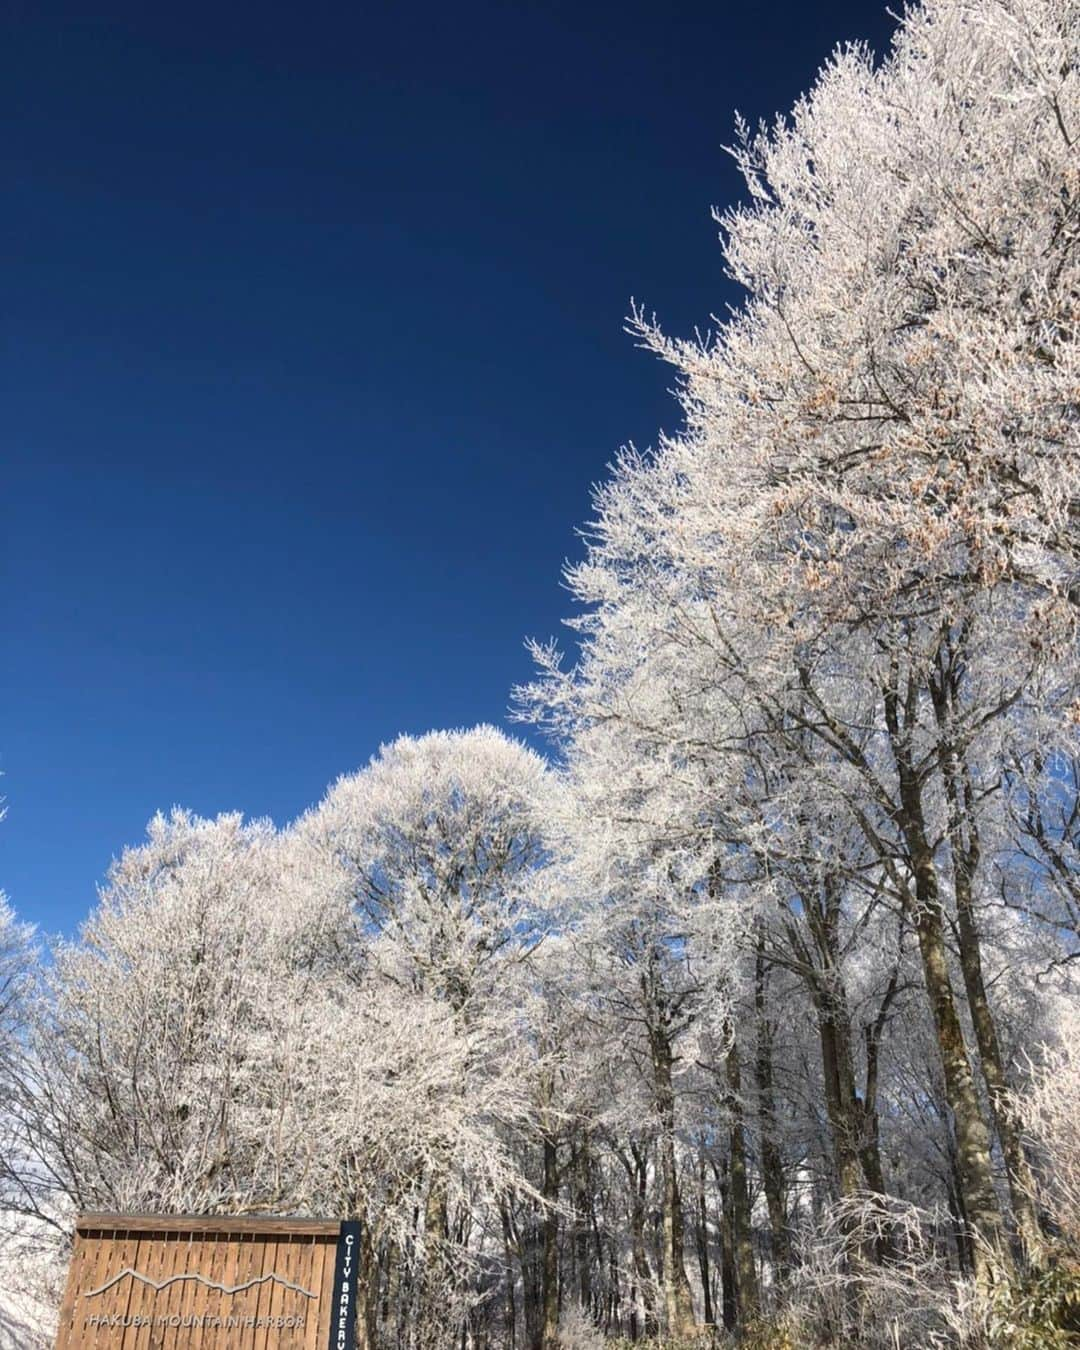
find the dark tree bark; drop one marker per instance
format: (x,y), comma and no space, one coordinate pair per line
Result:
(742,1231)
(549,1277)
(702,1236)
(976,1187)
(965,852)
(678,1301)
(772,1164)
(635,1163)
(729,1299)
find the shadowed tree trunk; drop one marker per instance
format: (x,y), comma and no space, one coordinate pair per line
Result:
(678,1301)
(869,1122)
(965,852)
(728,1277)
(742,1232)
(703,1236)
(549,1278)
(976,1186)
(582,1207)
(772,1165)
(812,951)
(636,1166)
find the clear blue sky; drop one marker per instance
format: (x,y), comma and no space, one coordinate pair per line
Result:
(313,349)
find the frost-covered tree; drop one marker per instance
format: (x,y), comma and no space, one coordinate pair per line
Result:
(167,1069)
(838,608)
(436,845)
(30,1275)
(1050,1110)
(17,961)
(437,839)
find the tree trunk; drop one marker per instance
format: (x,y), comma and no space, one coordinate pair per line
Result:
(549,1278)
(772,1165)
(834,1032)
(825,980)
(433,1286)
(869,1122)
(703,1238)
(728,1276)
(965,851)
(965,1258)
(368,1292)
(972,1138)
(678,1300)
(749,1299)
(870,1128)
(582,1206)
(642,1269)
(1018,1173)
(510,1255)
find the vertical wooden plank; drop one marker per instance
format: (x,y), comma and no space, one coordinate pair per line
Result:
(85,1280)
(130,1293)
(271,1254)
(200,1302)
(193,1297)
(308,1267)
(326,1291)
(171,1300)
(221,1261)
(64,1337)
(209,1257)
(87,1271)
(139,1299)
(212,1258)
(262,1304)
(154,1264)
(194,1302)
(187,1291)
(229,1303)
(288,1297)
(315,1308)
(127,1257)
(215,1300)
(253,1269)
(106,1268)
(96,1270)
(165,1262)
(256,1296)
(327,1298)
(292,1304)
(233,1338)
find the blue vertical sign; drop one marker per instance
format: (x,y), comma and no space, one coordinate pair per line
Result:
(346,1269)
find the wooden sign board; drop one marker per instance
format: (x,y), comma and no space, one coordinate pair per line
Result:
(152,1282)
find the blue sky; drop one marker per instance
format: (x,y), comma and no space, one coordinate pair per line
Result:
(313,349)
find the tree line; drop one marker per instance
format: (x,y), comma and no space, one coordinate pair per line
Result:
(750,1009)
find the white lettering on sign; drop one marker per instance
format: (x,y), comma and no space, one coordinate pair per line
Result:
(278,1320)
(343,1302)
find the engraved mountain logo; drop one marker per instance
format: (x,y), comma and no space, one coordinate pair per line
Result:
(158,1285)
